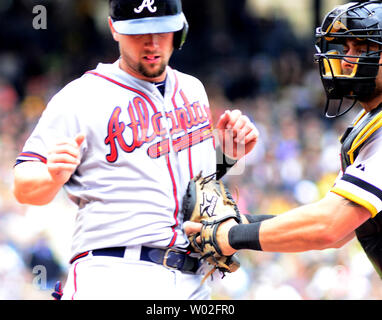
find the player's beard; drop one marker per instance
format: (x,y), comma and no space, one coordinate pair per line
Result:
(376,93)
(146,72)
(139,67)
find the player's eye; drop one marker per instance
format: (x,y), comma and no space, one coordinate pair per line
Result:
(361,50)
(137,36)
(355,51)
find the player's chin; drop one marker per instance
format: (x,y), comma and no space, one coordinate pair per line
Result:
(152,71)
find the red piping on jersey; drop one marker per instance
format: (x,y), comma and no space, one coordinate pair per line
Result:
(124,86)
(176,202)
(175,90)
(83,254)
(75,280)
(190,161)
(167,157)
(176,107)
(33,155)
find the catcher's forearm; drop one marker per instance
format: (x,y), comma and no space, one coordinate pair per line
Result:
(223,163)
(316,226)
(252,218)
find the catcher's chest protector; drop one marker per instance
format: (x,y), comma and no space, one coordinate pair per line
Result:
(357,134)
(369,233)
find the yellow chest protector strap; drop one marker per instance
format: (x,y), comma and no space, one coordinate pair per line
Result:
(357,134)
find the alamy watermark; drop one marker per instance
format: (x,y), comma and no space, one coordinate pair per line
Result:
(40,20)
(39,281)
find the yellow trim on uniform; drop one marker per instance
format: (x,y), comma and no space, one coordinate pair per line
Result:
(360,117)
(365,133)
(355,122)
(354,198)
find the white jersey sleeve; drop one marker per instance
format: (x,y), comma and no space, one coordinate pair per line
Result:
(58,121)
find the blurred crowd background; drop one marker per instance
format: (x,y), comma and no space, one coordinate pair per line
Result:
(249,57)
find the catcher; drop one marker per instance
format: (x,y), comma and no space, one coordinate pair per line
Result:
(349,46)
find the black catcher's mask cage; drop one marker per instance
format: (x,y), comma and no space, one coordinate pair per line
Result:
(360,21)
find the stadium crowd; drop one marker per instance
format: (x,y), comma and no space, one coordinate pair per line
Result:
(253,64)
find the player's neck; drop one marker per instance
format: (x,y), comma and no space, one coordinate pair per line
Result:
(372,104)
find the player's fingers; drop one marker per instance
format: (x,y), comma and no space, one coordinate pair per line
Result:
(192,227)
(198,240)
(235,124)
(70,142)
(234,117)
(239,128)
(65,149)
(223,120)
(248,133)
(228,119)
(79,139)
(62,158)
(75,142)
(252,135)
(240,123)
(231,124)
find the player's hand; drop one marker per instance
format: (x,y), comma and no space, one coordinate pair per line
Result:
(237,134)
(191,228)
(63,158)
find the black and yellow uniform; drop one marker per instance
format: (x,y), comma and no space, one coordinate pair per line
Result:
(361,181)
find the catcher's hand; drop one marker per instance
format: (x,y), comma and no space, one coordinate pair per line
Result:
(209,202)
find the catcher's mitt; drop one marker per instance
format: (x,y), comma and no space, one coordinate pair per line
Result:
(209,202)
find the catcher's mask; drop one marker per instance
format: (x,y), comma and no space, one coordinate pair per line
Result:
(355,21)
(149,16)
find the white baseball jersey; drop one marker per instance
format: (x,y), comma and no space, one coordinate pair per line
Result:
(362,180)
(141,150)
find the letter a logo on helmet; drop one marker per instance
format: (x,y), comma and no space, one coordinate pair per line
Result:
(146,4)
(149,16)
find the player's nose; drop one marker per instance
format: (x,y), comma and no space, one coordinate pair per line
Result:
(151,40)
(348,62)
(347,66)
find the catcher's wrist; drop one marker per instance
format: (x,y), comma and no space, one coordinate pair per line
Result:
(245,236)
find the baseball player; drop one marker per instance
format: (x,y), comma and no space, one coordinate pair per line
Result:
(124,140)
(349,45)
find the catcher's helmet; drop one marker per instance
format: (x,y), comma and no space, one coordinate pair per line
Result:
(149,16)
(355,20)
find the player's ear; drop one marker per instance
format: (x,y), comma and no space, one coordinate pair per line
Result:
(113,32)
